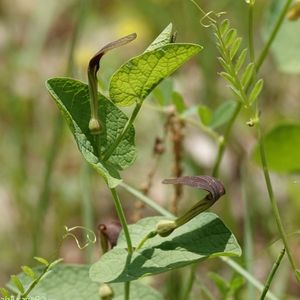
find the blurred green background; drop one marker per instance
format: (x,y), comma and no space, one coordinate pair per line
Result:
(37,200)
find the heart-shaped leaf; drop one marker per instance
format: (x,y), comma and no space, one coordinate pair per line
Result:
(203,237)
(72,282)
(72,98)
(135,80)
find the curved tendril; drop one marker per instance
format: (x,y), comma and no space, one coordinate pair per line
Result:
(90,236)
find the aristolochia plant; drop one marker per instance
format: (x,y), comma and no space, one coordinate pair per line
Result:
(105,137)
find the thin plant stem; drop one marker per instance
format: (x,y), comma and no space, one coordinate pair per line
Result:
(272,198)
(250,31)
(189,284)
(223,142)
(248,240)
(258,285)
(149,202)
(112,148)
(86,196)
(127,290)
(230,262)
(272,274)
(273,34)
(122,219)
(44,197)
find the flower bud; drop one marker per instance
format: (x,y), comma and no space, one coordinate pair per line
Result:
(94,126)
(165,227)
(105,292)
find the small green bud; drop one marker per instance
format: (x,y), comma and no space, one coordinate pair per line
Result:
(105,292)
(94,126)
(165,227)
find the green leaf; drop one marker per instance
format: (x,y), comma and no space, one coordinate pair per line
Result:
(163,92)
(241,59)
(282,146)
(205,114)
(178,102)
(4,293)
(72,282)
(228,78)
(17,283)
(28,271)
(164,38)
(72,98)
(285,48)
(235,47)
(223,114)
(203,237)
(135,80)
(220,282)
(256,91)
(41,260)
(230,37)
(247,75)
(224,27)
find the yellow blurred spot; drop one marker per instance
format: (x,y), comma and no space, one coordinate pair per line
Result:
(82,57)
(294,12)
(130,25)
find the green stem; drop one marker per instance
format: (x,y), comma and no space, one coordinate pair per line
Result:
(190,282)
(112,148)
(87,213)
(250,32)
(259,286)
(272,273)
(224,141)
(127,290)
(274,32)
(149,202)
(272,198)
(150,235)
(122,219)
(44,197)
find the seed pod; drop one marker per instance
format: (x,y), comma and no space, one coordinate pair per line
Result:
(294,12)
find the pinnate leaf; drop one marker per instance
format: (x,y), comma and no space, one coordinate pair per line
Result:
(135,80)
(72,98)
(203,237)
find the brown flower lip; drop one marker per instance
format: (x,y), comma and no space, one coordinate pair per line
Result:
(210,184)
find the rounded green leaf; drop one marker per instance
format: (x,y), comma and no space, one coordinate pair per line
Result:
(72,282)
(135,80)
(203,237)
(72,98)
(286,46)
(282,146)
